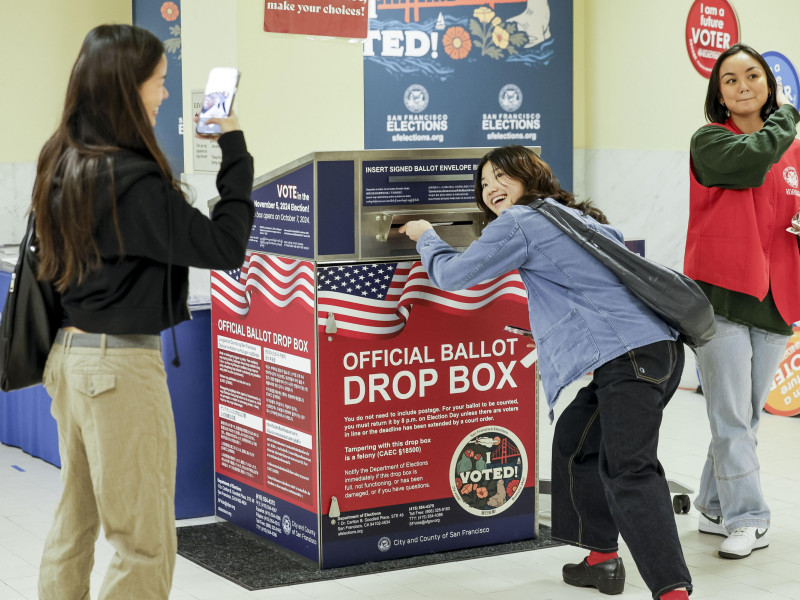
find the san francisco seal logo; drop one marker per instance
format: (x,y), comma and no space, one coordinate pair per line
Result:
(384,544)
(510,97)
(790,176)
(416,98)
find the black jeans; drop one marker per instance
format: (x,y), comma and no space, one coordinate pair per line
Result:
(607,479)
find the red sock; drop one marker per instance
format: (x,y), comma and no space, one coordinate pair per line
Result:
(676,595)
(598,557)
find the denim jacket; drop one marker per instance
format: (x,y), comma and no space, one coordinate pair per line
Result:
(581,316)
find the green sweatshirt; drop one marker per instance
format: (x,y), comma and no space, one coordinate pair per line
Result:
(721,158)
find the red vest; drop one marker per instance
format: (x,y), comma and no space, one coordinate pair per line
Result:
(737,239)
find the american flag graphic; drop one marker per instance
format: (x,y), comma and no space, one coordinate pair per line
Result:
(280,280)
(364,300)
(374,300)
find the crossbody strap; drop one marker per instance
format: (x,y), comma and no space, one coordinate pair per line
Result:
(568,223)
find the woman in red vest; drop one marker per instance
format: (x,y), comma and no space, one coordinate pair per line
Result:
(743,195)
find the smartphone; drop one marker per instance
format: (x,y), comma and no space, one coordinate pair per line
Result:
(518,331)
(220,89)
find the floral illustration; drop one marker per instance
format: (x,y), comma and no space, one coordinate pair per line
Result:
(173,44)
(482,492)
(169,10)
(484,14)
(457,43)
(512,487)
(500,38)
(493,36)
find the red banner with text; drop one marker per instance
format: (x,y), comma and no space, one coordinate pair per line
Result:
(338,18)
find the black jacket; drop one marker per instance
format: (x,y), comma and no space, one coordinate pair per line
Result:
(162,235)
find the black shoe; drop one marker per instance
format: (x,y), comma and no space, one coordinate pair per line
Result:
(607,576)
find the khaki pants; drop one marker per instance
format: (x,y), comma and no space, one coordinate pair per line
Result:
(116,435)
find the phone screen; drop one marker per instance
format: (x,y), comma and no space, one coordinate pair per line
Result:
(221,87)
(518,331)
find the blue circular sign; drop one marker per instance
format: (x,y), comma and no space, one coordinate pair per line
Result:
(785,74)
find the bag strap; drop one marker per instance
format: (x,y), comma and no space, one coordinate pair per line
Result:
(568,223)
(615,256)
(30,232)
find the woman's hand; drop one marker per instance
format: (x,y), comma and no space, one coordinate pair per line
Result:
(226,124)
(780,98)
(795,226)
(414,229)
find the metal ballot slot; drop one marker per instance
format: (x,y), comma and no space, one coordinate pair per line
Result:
(435,185)
(345,206)
(381,235)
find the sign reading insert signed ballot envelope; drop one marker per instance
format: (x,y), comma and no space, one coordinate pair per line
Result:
(361,413)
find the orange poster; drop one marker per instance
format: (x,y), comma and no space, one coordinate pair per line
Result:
(784,396)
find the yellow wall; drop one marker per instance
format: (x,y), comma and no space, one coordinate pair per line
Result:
(634,85)
(578,77)
(640,89)
(297,94)
(39,42)
(206,43)
(303,94)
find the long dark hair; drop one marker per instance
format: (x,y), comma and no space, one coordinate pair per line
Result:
(715,111)
(522,164)
(103,113)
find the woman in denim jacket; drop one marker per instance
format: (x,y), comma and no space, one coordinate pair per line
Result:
(607,479)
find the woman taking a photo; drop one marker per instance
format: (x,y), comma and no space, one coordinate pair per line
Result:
(117,237)
(607,479)
(743,195)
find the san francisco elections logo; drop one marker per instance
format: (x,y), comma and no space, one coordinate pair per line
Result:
(488,471)
(416,98)
(790,176)
(384,544)
(510,97)
(286,523)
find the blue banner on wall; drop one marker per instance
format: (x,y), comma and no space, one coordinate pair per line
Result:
(785,75)
(163,19)
(470,73)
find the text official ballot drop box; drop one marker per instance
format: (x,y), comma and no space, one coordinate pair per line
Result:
(361,414)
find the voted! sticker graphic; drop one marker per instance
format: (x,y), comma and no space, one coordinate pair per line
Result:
(488,471)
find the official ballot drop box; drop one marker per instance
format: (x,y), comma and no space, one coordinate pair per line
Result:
(361,414)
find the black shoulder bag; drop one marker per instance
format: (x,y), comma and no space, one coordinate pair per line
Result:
(675,298)
(30,319)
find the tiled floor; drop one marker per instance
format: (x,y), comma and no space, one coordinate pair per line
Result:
(29,488)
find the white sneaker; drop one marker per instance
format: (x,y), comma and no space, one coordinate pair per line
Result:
(742,541)
(712,525)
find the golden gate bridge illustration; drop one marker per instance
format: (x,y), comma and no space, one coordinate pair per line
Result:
(505,452)
(408,5)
